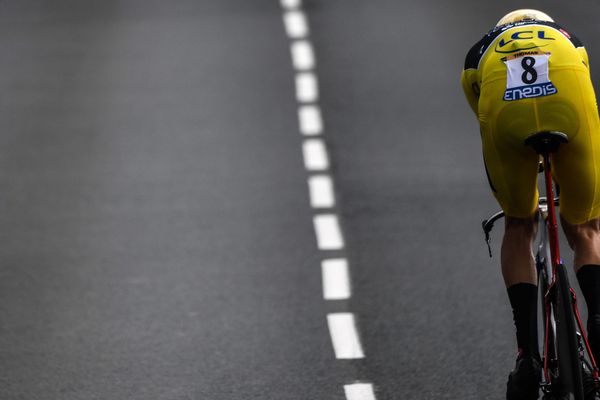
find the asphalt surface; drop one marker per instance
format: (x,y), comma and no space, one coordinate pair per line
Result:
(156,230)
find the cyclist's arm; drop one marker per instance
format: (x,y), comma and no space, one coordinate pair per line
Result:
(578,45)
(470,75)
(470,85)
(584,56)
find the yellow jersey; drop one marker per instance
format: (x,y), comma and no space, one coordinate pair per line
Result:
(524,78)
(496,51)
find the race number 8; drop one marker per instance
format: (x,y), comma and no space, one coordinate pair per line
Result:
(527,71)
(529,75)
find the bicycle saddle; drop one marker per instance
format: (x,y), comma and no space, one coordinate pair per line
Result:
(547,141)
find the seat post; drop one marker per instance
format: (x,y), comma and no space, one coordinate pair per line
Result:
(552,220)
(545,143)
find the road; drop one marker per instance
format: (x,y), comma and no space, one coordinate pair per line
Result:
(158,237)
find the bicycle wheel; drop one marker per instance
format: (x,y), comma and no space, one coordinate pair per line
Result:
(549,334)
(569,380)
(548,324)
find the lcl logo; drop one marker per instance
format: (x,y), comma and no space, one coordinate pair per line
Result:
(522,35)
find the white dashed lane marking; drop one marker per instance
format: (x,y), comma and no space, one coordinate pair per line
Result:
(296,25)
(290,4)
(320,188)
(315,155)
(359,391)
(329,235)
(303,56)
(344,336)
(307,88)
(311,122)
(335,272)
(336,279)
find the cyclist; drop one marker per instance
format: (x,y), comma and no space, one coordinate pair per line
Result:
(527,75)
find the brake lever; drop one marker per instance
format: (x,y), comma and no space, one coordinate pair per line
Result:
(487,236)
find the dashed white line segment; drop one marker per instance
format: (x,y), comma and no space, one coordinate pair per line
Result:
(296,25)
(315,155)
(336,279)
(290,4)
(359,391)
(329,235)
(346,343)
(307,87)
(303,56)
(320,188)
(311,121)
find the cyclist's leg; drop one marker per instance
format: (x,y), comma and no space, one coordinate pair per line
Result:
(584,239)
(512,170)
(576,167)
(517,263)
(577,170)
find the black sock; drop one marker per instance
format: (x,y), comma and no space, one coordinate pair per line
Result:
(589,282)
(523,299)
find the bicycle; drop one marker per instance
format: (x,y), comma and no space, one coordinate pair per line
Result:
(570,371)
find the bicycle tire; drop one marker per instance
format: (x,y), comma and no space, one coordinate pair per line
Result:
(550,334)
(569,380)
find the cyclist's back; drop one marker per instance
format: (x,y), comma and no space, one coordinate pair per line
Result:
(528,75)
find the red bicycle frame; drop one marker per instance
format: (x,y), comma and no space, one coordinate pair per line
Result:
(553,242)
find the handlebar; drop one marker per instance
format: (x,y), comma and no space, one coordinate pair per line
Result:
(488,224)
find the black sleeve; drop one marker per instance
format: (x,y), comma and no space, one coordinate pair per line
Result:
(474,54)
